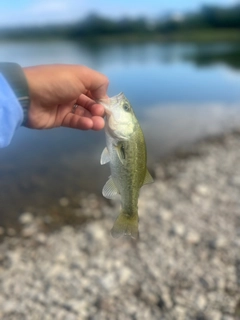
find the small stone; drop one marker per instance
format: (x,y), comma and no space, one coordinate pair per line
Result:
(166,214)
(236,180)
(180,313)
(214,314)
(29,231)
(108,281)
(9,307)
(180,229)
(61,258)
(202,189)
(221,242)
(41,238)
(201,302)
(26,218)
(64,202)
(11,232)
(193,237)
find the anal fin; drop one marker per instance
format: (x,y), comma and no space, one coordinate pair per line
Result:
(110,191)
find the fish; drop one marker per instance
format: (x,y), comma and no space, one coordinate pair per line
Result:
(127,155)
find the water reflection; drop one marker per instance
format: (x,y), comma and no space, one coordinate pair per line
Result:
(180,93)
(178,125)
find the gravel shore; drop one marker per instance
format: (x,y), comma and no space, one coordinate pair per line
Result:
(186,264)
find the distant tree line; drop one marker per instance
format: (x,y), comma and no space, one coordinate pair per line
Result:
(208,17)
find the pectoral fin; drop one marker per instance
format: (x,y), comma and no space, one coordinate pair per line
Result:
(148,178)
(110,191)
(121,152)
(105,158)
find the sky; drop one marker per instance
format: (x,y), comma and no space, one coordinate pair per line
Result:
(32,12)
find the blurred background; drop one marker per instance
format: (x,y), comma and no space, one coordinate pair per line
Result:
(178,62)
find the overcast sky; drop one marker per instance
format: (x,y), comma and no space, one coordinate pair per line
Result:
(20,12)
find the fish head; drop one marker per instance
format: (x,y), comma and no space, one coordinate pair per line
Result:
(120,117)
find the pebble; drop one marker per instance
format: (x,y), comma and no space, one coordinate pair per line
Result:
(202,189)
(201,302)
(41,238)
(29,231)
(26,218)
(166,214)
(179,229)
(64,202)
(11,232)
(193,237)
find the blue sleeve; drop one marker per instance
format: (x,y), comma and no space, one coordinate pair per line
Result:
(11,113)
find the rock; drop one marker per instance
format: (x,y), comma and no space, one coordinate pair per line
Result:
(179,229)
(64,202)
(165,214)
(193,237)
(221,242)
(202,190)
(41,238)
(9,306)
(201,302)
(26,218)
(236,180)
(29,231)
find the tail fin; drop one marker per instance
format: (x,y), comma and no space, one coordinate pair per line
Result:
(125,225)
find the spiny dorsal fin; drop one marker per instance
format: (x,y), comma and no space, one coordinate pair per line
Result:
(105,158)
(110,191)
(148,178)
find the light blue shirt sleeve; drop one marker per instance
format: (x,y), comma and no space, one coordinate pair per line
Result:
(11,113)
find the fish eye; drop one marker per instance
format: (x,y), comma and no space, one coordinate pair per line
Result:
(126,107)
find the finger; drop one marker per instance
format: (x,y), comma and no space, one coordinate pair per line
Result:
(95,109)
(98,123)
(76,122)
(81,111)
(94,82)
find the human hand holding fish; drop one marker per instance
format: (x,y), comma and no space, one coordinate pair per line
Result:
(126,153)
(56,90)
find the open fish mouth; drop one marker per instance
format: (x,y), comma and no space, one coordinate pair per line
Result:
(110,103)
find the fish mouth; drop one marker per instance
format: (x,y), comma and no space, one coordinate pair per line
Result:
(111,103)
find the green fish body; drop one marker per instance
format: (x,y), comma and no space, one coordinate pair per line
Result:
(126,152)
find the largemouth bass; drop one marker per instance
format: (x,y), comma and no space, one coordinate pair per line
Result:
(126,152)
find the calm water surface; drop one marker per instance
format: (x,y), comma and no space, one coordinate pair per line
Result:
(180,93)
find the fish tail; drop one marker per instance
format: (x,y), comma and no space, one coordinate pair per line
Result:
(125,225)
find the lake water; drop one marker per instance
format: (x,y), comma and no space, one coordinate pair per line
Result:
(180,93)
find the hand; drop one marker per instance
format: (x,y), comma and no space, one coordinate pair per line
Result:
(54,89)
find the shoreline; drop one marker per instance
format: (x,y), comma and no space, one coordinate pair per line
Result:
(194,36)
(86,206)
(185,265)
